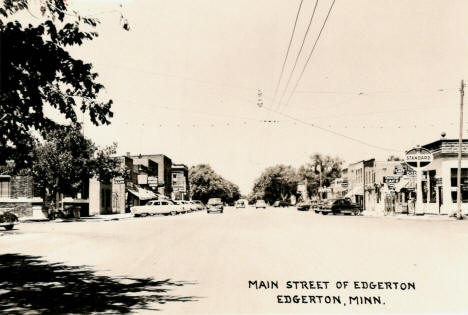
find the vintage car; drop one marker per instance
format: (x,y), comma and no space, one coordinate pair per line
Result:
(339,205)
(198,204)
(241,204)
(260,204)
(303,206)
(8,219)
(156,207)
(214,205)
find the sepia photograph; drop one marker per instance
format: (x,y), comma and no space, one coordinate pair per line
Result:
(233,157)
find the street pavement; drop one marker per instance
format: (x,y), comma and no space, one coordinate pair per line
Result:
(202,263)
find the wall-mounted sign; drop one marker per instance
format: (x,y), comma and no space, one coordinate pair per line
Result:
(391,180)
(418,157)
(153,181)
(411,173)
(142,179)
(178,189)
(119,180)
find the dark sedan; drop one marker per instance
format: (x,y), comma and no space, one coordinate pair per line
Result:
(340,205)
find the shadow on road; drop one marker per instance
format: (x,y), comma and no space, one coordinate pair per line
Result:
(30,285)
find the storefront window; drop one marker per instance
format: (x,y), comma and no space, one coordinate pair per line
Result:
(464,184)
(5,187)
(424,187)
(432,186)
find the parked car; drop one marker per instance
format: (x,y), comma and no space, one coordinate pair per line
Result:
(183,208)
(214,205)
(281,203)
(260,204)
(156,207)
(8,219)
(303,206)
(189,206)
(340,205)
(240,204)
(317,205)
(198,204)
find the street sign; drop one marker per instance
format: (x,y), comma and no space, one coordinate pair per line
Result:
(119,180)
(391,180)
(399,170)
(411,173)
(153,181)
(418,157)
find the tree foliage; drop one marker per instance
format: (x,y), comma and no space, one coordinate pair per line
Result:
(205,183)
(275,183)
(320,171)
(394,158)
(66,160)
(38,71)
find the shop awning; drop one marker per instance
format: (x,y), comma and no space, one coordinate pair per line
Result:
(358,190)
(142,194)
(405,183)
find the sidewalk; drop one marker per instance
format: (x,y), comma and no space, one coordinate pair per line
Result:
(404,216)
(95,218)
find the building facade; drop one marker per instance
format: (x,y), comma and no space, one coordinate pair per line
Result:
(180,182)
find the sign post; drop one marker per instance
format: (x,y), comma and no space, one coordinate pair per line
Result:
(418,158)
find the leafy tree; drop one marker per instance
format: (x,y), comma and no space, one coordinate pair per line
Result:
(320,171)
(38,71)
(394,158)
(275,183)
(205,183)
(66,160)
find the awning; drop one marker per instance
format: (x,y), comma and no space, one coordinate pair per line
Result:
(405,183)
(142,194)
(358,190)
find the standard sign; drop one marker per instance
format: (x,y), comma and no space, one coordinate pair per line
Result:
(418,157)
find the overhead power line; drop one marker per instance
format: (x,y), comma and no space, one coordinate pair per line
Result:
(332,131)
(287,51)
(298,54)
(310,54)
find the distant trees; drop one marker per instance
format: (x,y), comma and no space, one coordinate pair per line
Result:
(275,183)
(205,183)
(394,158)
(320,171)
(280,182)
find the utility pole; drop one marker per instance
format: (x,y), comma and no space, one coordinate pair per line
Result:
(460,147)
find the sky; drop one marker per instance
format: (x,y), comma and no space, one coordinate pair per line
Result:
(384,77)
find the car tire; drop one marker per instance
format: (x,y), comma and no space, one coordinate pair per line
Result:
(324,212)
(9,227)
(316,211)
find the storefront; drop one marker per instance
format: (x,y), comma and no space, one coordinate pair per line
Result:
(439,179)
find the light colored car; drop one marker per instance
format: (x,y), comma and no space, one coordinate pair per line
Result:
(189,205)
(153,207)
(260,204)
(182,207)
(198,204)
(241,203)
(214,205)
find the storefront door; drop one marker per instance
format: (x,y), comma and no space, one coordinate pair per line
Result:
(440,197)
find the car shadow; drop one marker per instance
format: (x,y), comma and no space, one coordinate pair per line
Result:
(31,285)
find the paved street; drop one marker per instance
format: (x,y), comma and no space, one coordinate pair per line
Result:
(207,260)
